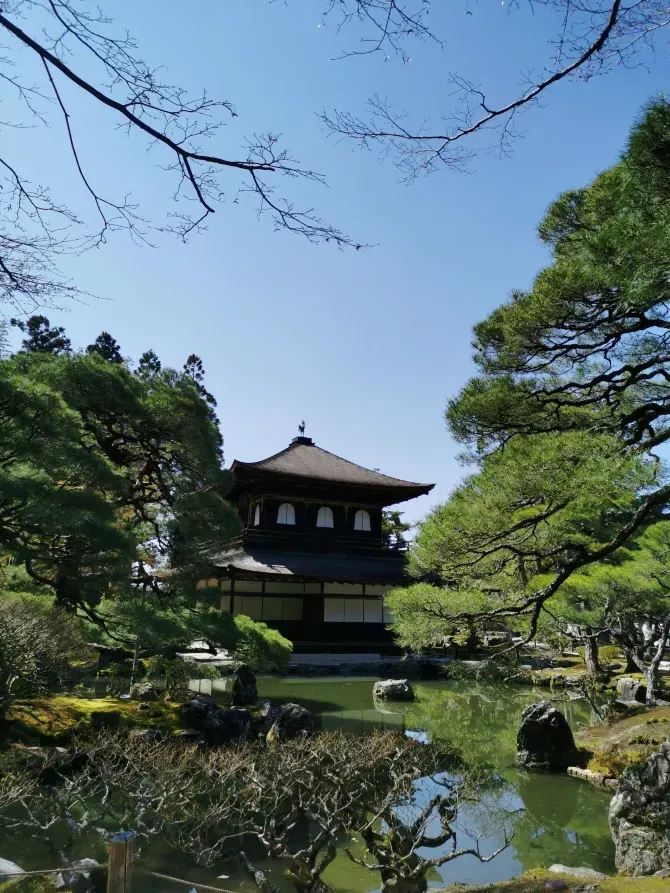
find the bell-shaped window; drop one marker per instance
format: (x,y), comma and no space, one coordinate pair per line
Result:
(257,514)
(362,520)
(286,514)
(325,517)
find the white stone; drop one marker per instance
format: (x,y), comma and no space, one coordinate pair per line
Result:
(393,690)
(577,872)
(9,869)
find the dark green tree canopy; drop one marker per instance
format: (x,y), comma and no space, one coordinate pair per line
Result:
(564,420)
(149,364)
(113,497)
(589,345)
(41,337)
(107,347)
(195,369)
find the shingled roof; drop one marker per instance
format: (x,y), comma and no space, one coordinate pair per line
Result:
(302,458)
(388,567)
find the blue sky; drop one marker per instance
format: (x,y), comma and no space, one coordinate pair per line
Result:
(365,346)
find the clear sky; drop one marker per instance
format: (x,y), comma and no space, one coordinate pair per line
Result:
(365,346)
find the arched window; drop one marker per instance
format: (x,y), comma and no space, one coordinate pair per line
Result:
(257,514)
(362,520)
(286,514)
(325,517)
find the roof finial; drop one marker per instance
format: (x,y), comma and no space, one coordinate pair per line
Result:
(301,428)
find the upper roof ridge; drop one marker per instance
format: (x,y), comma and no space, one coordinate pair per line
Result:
(303,458)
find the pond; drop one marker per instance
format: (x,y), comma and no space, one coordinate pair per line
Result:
(561,819)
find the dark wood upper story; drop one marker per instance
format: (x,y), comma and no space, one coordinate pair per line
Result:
(306,498)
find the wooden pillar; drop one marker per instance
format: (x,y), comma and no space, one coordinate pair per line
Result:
(121,856)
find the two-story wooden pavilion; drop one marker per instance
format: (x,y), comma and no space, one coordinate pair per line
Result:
(312,560)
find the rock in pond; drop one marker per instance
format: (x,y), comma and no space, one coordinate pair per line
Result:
(195,711)
(262,718)
(9,870)
(226,727)
(290,721)
(544,741)
(216,726)
(393,690)
(143,691)
(630,690)
(245,690)
(639,816)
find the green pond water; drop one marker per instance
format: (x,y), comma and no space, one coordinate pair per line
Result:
(561,819)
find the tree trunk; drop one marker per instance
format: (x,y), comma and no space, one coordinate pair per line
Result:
(395,883)
(651,672)
(631,666)
(258,877)
(133,670)
(591,656)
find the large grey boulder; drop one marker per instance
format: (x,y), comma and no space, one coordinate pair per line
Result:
(245,689)
(9,870)
(291,721)
(85,876)
(630,690)
(544,741)
(639,816)
(143,691)
(393,690)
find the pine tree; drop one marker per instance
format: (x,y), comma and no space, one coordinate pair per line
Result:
(149,364)
(568,409)
(194,368)
(107,347)
(42,337)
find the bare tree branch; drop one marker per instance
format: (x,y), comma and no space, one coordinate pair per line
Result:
(73,41)
(591,38)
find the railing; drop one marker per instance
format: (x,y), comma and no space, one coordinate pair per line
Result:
(317,541)
(121,866)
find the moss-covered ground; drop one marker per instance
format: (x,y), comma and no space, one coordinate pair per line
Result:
(535,882)
(33,884)
(61,716)
(625,739)
(531,882)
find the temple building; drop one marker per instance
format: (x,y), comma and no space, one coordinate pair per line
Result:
(312,560)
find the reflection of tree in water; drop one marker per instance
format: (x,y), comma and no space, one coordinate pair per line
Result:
(479,720)
(562,812)
(565,820)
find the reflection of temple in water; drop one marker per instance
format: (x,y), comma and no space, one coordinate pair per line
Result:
(357,722)
(362,721)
